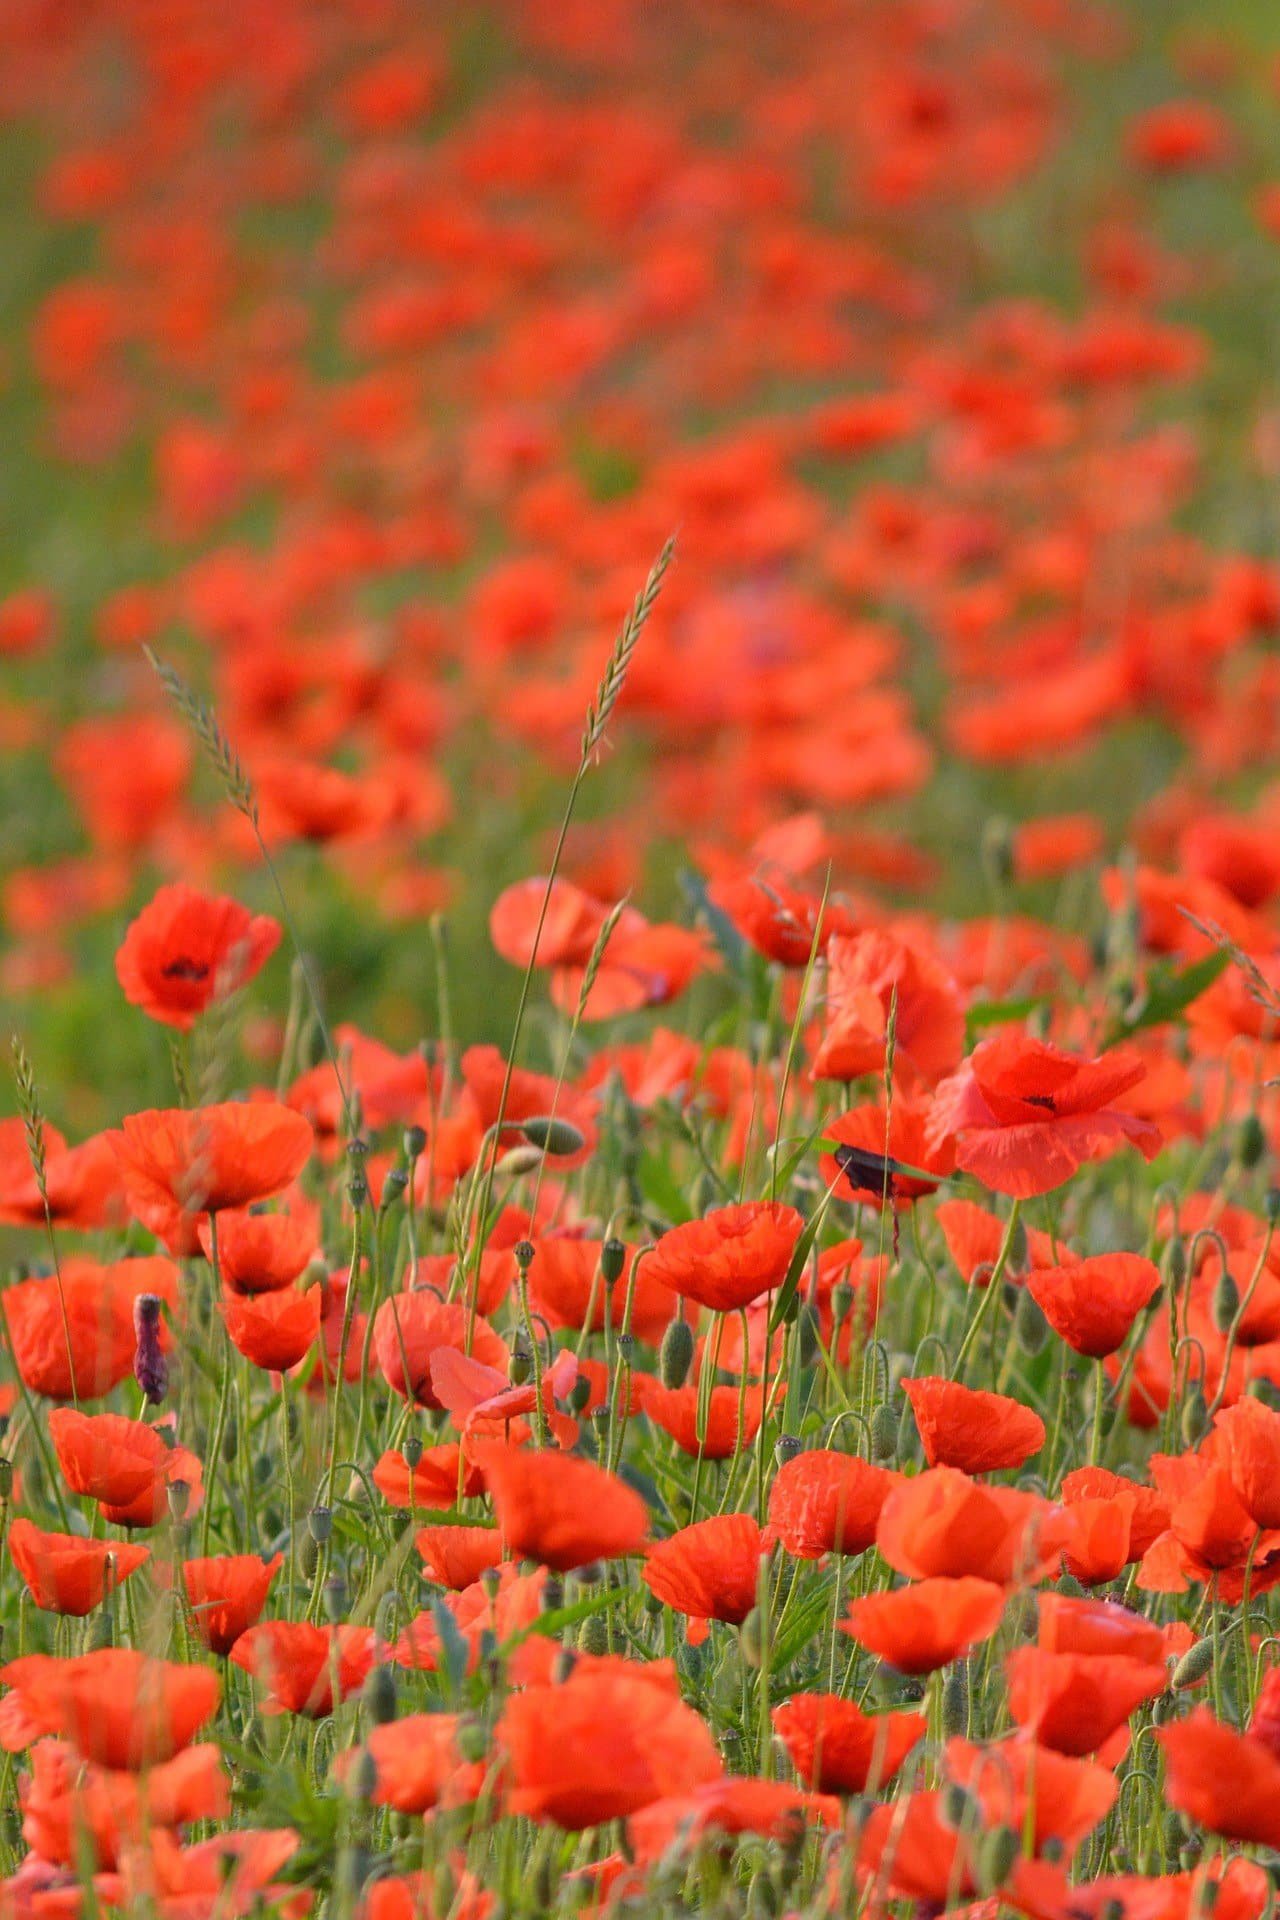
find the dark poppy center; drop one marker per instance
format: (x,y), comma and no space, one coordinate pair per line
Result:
(1044,1100)
(184,968)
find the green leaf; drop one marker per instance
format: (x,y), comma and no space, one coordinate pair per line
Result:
(996,1013)
(662,1190)
(791,1283)
(1168,994)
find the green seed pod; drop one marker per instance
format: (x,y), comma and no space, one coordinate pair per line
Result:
(552,1592)
(957,1808)
(380,1696)
(1018,1247)
(1173,1263)
(955,1701)
(786,1447)
(996,1853)
(1251,1141)
(563,1665)
(593,1634)
(613,1258)
(523,1252)
(320,1524)
(884,1432)
(1195,1414)
(413,1451)
(552,1134)
(415,1143)
(1195,1663)
(393,1186)
(1226,1301)
(751,1639)
(579,1395)
(842,1299)
(520,1365)
(1030,1328)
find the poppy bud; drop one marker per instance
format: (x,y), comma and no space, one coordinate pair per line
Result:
(520,1365)
(6,1477)
(1226,1301)
(1173,1264)
(593,1634)
(842,1298)
(884,1432)
(808,1334)
(1271,1205)
(955,1701)
(231,1441)
(627,1349)
(995,1856)
(997,852)
(412,1451)
(523,1252)
(751,1639)
(489,1581)
(380,1696)
(788,1446)
(358,1190)
(335,1597)
(957,1808)
(1194,1664)
(415,1143)
(1069,1585)
(563,1665)
(579,1395)
(676,1354)
(308,1556)
(517,1161)
(179,1497)
(363,1777)
(1251,1141)
(150,1368)
(320,1524)
(393,1186)
(1030,1328)
(1195,1414)
(472,1741)
(613,1258)
(553,1135)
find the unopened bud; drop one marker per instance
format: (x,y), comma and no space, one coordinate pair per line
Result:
(1173,1263)
(150,1368)
(1251,1141)
(593,1635)
(996,1853)
(1195,1663)
(335,1598)
(884,1432)
(1195,1416)
(751,1639)
(1226,1301)
(997,852)
(178,1493)
(380,1696)
(957,1808)
(320,1524)
(842,1299)
(415,1143)
(553,1135)
(613,1258)
(786,1448)
(1030,1328)
(413,1450)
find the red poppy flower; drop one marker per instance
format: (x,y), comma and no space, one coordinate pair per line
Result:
(457,1556)
(725,1808)
(259,1252)
(433,1482)
(186,1161)
(410,1327)
(571,923)
(1068,1624)
(301,1666)
(64,1573)
(1093,1303)
(1025,1114)
(226,1594)
(417,1764)
(117,1707)
(1074,1702)
(559,1510)
(529,1096)
(974,1431)
(1034,1790)
(273,1330)
(565,1286)
(974,1237)
(68,1804)
(899,1136)
(909,1852)
(187,949)
(732,1415)
(828,1502)
(927,1625)
(836,1748)
(123,1464)
(1148,1513)
(709,1571)
(488,1610)
(599,1747)
(943,1523)
(1250,1435)
(730,1257)
(779,919)
(72,1335)
(872,976)
(82,1184)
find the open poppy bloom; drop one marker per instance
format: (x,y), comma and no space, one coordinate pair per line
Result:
(65,1573)
(1250,1437)
(730,1257)
(117,1707)
(122,1464)
(920,1627)
(179,1163)
(493,1608)
(870,978)
(559,1510)
(1033,1789)
(565,1285)
(709,1571)
(303,1668)
(836,1748)
(417,1764)
(226,1594)
(82,1186)
(975,1431)
(457,1556)
(273,1330)
(1093,1303)
(725,1808)
(259,1252)
(1024,1114)
(879,1146)
(187,949)
(827,1502)
(72,1335)
(732,1415)
(1074,1702)
(233,1871)
(1228,1782)
(600,1746)
(68,1804)
(409,1328)
(941,1522)
(432,1483)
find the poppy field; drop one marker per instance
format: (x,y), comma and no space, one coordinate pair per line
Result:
(640,956)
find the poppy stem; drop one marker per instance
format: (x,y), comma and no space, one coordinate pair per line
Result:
(991,1290)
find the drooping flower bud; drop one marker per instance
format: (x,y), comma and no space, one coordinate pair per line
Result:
(150,1368)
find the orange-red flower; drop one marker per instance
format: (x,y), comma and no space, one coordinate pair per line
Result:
(303,1668)
(72,1335)
(872,976)
(730,1257)
(185,1161)
(273,1330)
(118,1707)
(709,1571)
(943,1523)
(836,1748)
(927,1625)
(559,1510)
(1074,1702)
(828,1502)
(975,1431)
(1093,1303)
(1228,1782)
(1033,1789)
(417,1764)
(64,1573)
(410,1327)
(259,1252)
(1025,1115)
(226,1594)
(187,949)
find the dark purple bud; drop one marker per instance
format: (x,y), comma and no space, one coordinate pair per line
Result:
(150,1368)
